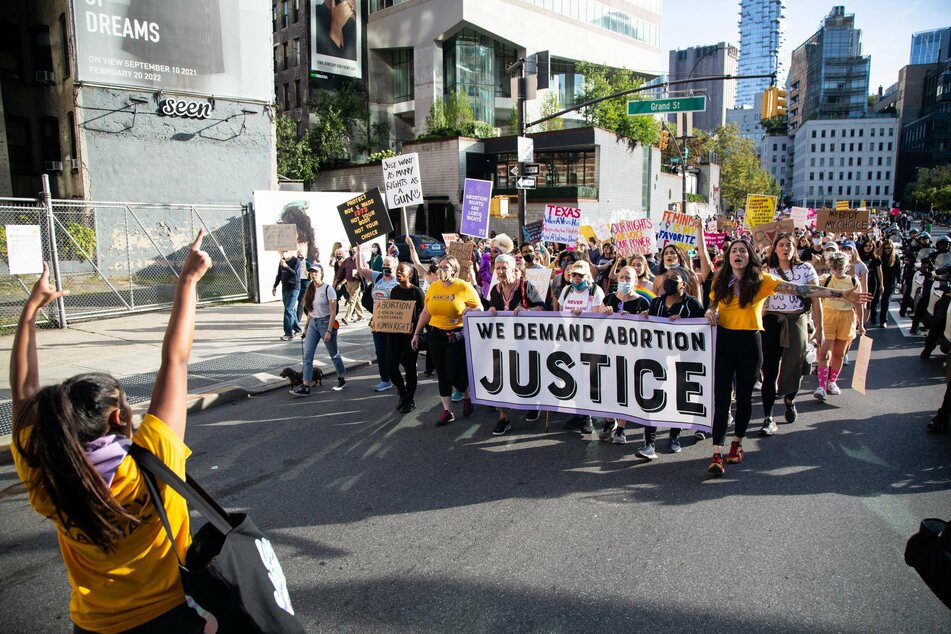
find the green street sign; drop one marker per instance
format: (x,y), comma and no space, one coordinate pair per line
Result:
(663,106)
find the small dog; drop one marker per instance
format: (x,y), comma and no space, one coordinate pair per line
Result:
(296,378)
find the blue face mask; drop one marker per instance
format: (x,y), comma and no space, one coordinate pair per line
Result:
(579,286)
(625,288)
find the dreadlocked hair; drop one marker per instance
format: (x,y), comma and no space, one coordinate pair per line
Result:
(748,284)
(63,417)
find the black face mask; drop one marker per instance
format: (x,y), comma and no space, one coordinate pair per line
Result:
(529,258)
(387,271)
(671,286)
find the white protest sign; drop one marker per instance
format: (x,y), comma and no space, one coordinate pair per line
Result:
(280,237)
(561,224)
(540,279)
(24,249)
(800,216)
(634,236)
(651,371)
(401,177)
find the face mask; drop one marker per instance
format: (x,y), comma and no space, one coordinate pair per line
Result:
(387,271)
(671,286)
(625,288)
(445,276)
(529,258)
(579,286)
(817,241)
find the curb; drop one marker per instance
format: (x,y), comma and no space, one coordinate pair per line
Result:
(213,396)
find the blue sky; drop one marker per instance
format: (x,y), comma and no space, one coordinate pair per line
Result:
(886,27)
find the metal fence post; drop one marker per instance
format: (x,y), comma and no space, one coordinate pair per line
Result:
(47,197)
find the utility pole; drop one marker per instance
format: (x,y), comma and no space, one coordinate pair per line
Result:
(683,164)
(522,90)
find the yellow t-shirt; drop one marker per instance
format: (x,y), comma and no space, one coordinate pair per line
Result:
(446,303)
(139,580)
(843,284)
(749,317)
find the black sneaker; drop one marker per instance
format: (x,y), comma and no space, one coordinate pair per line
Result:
(340,383)
(532,416)
(607,430)
(791,413)
(301,390)
(399,404)
(408,405)
(503,427)
(588,426)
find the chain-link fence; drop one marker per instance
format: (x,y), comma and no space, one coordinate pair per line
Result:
(117,258)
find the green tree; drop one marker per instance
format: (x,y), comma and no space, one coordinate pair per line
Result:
(601,81)
(931,189)
(453,117)
(295,159)
(550,106)
(740,170)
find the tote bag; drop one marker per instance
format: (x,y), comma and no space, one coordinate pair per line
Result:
(230,570)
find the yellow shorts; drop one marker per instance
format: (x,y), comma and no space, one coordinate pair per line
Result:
(838,324)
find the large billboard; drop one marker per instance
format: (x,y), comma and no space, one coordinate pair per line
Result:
(219,48)
(337,37)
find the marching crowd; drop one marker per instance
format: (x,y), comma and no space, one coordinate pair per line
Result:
(781,309)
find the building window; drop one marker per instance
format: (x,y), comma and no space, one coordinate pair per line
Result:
(284,54)
(402,75)
(889,146)
(832,133)
(822,161)
(861,132)
(287,97)
(868,190)
(284,14)
(71,122)
(860,147)
(888,161)
(295,50)
(886,190)
(880,160)
(469,64)
(812,176)
(858,161)
(274,17)
(878,176)
(296,10)
(574,168)
(49,139)
(891,132)
(871,132)
(841,161)
(64,39)
(888,177)
(299,101)
(848,190)
(814,148)
(567,82)
(277,58)
(42,49)
(850,161)
(812,162)
(869,176)
(852,132)
(814,134)
(821,176)
(831,176)
(811,189)
(19,145)
(842,148)
(784,147)
(841,176)
(840,190)
(881,147)
(878,189)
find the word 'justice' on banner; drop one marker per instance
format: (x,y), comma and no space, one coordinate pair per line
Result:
(646,370)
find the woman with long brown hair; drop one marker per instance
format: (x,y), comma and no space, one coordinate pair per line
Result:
(673,256)
(891,275)
(320,305)
(740,291)
(71,443)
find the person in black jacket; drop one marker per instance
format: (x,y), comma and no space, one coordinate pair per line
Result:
(288,277)
(675,303)
(891,276)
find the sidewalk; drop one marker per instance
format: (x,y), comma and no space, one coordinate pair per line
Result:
(237,352)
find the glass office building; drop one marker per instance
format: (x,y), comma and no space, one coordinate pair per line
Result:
(761,35)
(930,47)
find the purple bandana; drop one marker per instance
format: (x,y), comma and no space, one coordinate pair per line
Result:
(106,453)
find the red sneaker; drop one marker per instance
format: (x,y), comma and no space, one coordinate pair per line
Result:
(467,407)
(736,453)
(445,418)
(716,465)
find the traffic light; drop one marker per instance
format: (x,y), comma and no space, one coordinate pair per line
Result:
(779,102)
(664,139)
(769,103)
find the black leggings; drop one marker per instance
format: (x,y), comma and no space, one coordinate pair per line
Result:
(886,298)
(450,360)
(181,620)
(399,352)
(776,358)
(739,357)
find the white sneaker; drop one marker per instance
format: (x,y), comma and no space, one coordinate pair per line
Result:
(757,386)
(820,394)
(834,389)
(619,438)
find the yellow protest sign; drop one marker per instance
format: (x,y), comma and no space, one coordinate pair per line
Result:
(760,209)
(841,205)
(587,231)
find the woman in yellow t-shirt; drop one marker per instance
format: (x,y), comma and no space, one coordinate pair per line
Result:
(446,302)
(740,290)
(70,445)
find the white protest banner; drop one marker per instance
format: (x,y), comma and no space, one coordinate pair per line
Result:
(799,216)
(280,237)
(25,249)
(650,371)
(540,279)
(634,236)
(401,177)
(679,229)
(561,224)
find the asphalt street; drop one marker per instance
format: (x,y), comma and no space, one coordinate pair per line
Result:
(386,523)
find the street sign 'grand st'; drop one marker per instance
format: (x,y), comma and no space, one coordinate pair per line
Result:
(662,106)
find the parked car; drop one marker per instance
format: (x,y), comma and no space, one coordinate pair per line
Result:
(427,248)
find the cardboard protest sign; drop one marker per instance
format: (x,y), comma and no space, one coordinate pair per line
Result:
(841,205)
(476,199)
(725,225)
(532,232)
(449,238)
(365,217)
(842,220)
(25,249)
(462,251)
(860,372)
(401,180)
(799,216)
(631,237)
(393,315)
(561,224)
(763,235)
(540,279)
(715,239)
(678,229)
(651,371)
(760,209)
(282,237)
